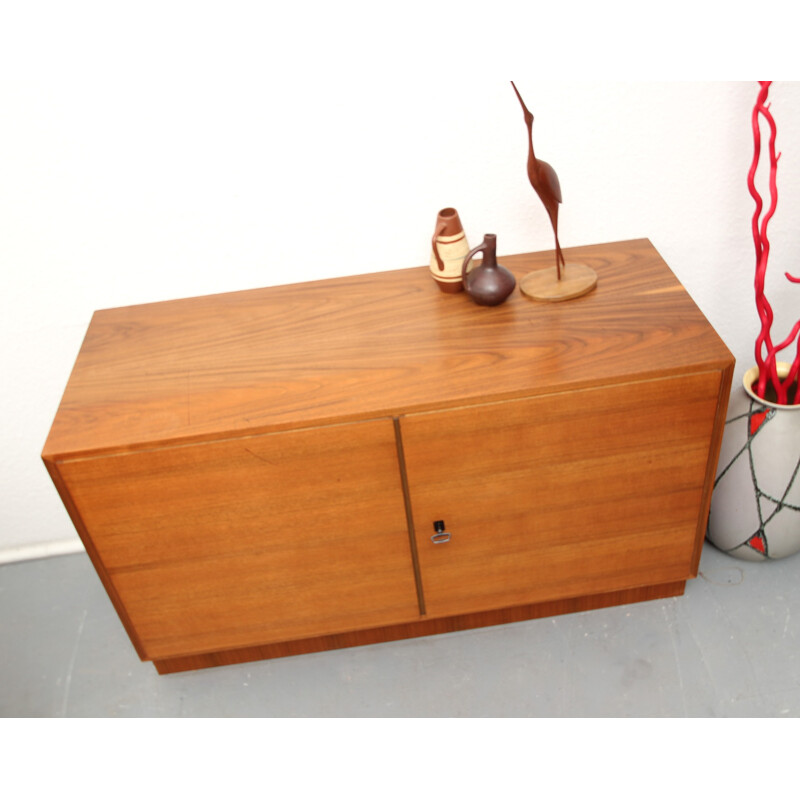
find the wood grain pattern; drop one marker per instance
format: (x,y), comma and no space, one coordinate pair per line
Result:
(711,467)
(560,495)
(258,472)
(252,540)
(369,346)
(426,627)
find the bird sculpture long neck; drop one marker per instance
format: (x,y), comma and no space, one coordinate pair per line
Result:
(529,123)
(531,156)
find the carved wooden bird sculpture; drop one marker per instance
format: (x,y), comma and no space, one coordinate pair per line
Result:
(544,180)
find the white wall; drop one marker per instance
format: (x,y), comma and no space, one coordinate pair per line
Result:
(153,154)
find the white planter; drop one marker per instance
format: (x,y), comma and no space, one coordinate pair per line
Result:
(755,508)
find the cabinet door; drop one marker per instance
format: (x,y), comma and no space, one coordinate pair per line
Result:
(252,540)
(560,495)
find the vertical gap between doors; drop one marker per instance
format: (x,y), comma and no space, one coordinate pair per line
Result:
(412,538)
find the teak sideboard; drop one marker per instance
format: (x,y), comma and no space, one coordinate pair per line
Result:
(348,461)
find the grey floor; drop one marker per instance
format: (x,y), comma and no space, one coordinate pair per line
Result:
(727,648)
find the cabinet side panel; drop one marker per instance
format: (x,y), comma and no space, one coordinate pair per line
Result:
(726,377)
(53,469)
(561,495)
(252,540)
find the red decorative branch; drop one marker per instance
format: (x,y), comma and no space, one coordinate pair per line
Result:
(766,352)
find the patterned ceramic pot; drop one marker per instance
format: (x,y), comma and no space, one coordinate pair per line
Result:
(448,248)
(755,508)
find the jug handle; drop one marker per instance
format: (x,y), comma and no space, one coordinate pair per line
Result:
(468,257)
(439,229)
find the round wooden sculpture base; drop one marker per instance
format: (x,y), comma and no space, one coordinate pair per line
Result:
(543,284)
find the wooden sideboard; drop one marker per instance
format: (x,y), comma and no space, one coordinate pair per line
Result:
(348,461)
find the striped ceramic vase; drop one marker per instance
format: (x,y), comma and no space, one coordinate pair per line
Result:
(448,248)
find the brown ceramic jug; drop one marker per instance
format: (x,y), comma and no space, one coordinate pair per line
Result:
(488,284)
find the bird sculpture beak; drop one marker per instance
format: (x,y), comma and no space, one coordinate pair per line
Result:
(528,115)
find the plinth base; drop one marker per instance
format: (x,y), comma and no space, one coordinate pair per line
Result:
(543,284)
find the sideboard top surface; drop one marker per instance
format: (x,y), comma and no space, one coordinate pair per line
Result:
(361,347)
